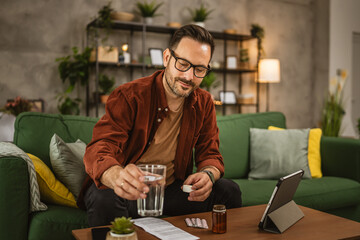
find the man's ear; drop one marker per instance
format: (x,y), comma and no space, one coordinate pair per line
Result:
(166,57)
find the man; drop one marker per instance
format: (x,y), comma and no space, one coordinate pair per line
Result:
(160,119)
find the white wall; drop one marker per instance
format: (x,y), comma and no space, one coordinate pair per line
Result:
(344,21)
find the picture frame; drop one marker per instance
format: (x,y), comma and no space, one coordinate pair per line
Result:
(228,97)
(156,56)
(38,105)
(231,62)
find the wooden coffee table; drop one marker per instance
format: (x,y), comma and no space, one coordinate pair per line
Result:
(242,224)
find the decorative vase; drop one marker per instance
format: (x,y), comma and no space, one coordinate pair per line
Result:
(113,236)
(201,24)
(148,20)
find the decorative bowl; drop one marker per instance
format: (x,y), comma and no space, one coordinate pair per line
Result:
(122,16)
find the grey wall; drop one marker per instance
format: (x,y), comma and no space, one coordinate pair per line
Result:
(33,34)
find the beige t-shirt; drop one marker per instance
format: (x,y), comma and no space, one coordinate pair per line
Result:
(162,149)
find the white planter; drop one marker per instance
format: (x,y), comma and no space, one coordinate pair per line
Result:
(114,236)
(148,20)
(7,122)
(201,24)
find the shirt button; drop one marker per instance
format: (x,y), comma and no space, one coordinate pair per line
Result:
(166,109)
(159,109)
(159,120)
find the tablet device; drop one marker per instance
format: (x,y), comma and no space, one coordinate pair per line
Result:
(283,193)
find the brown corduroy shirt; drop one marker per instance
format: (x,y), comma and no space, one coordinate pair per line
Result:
(134,111)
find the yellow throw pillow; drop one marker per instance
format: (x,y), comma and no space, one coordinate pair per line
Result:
(313,151)
(51,189)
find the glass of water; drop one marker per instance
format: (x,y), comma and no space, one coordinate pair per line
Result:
(155,176)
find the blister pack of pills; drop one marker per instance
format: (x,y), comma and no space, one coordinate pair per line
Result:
(196,222)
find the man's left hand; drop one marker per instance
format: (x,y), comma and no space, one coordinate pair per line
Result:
(201,186)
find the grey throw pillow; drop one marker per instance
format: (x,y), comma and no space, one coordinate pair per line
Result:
(274,154)
(67,162)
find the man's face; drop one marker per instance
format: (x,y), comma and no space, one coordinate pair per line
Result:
(182,84)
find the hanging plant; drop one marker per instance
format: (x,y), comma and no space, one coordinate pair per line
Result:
(75,70)
(258,32)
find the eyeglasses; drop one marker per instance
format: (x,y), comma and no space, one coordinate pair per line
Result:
(184,65)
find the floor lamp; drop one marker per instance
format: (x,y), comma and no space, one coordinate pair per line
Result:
(269,72)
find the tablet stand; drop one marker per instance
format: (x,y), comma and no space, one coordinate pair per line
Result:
(282,218)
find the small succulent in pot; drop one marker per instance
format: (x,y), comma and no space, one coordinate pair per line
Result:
(122,225)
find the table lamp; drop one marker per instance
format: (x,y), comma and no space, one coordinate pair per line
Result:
(269,72)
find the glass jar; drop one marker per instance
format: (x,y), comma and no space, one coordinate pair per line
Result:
(219,219)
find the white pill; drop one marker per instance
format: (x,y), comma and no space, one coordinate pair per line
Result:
(187,188)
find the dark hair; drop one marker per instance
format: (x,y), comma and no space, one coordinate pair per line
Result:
(194,32)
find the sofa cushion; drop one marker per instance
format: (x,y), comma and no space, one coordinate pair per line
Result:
(314,156)
(51,189)
(33,131)
(318,193)
(57,222)
(274,154)
(235,138)
(67,162)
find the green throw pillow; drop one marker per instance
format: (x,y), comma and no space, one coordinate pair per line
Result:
(274,154)
(67,162)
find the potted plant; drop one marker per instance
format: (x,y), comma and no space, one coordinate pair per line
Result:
(208,81)
(258,32)
(17,106)
(148,10)
(75,69)
(199,15)
(122,228)
(106,85)
(333,111)
(244,58)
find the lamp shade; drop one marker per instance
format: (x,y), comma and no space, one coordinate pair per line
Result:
(269,71)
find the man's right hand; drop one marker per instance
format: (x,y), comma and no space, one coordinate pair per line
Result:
(126,182)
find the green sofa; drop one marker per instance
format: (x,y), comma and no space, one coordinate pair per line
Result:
(338,192)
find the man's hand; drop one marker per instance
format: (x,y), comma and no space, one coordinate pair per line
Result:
(127,182)
(202,186)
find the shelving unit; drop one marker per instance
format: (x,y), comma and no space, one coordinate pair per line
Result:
(143,28)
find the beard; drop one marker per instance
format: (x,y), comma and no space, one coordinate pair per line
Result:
(177,89)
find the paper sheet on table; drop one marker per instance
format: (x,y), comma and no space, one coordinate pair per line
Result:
(163,229)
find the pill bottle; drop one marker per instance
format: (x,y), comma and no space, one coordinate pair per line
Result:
(219,219)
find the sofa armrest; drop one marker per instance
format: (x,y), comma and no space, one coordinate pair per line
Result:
(340,157)
(15,198)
